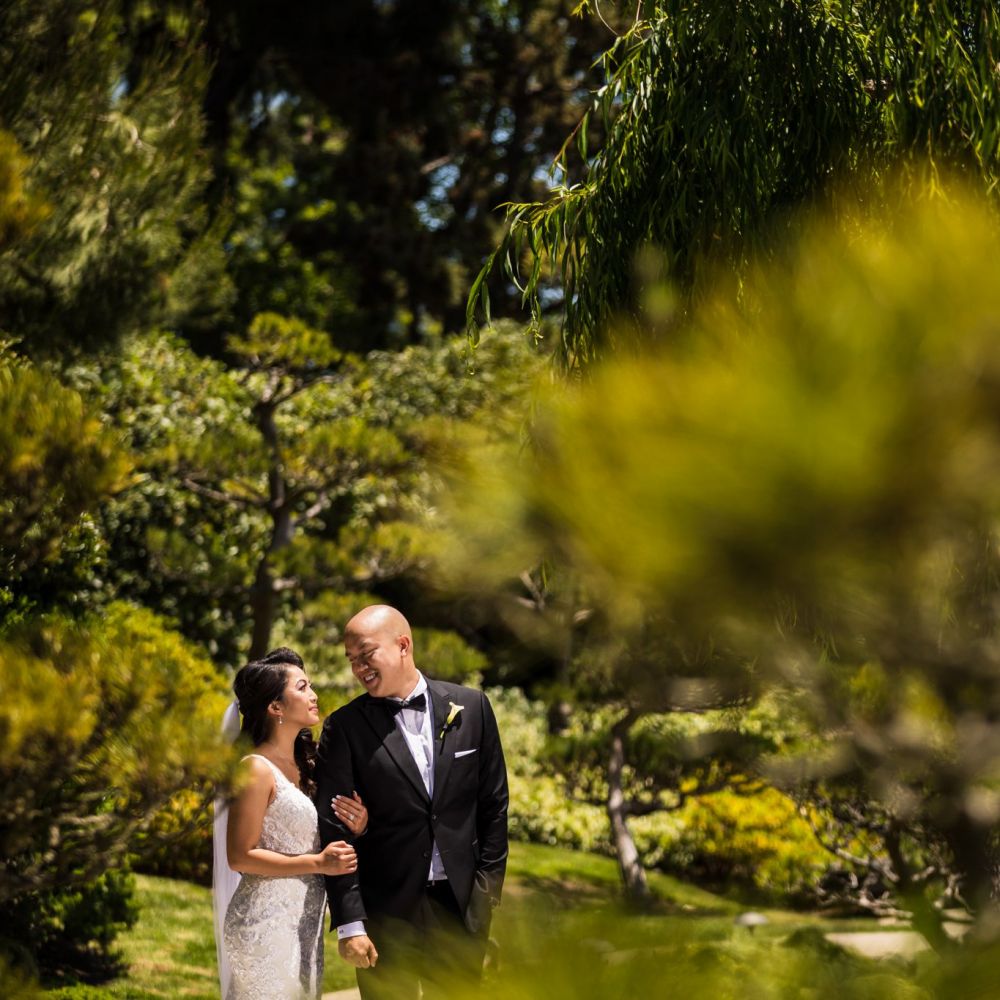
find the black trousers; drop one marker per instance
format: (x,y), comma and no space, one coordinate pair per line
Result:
(434,953)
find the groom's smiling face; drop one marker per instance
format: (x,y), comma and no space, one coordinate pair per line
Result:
(382,663)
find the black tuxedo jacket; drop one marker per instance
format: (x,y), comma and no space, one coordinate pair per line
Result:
(362,748)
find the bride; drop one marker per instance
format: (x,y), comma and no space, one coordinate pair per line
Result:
(270,940)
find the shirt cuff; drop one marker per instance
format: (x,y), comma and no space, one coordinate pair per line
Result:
(353,929)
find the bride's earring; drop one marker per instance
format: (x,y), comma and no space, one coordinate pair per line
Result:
(281,721)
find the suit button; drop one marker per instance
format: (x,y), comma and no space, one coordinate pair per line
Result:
(427,854)
(434,817)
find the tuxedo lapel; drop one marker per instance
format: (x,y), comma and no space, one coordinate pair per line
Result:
(444,749)
(392,739)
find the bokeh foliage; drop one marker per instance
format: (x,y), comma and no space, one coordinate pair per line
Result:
(808,477)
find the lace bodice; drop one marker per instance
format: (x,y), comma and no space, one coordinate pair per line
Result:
(290,823)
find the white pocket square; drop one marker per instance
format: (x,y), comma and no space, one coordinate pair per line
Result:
(464,753)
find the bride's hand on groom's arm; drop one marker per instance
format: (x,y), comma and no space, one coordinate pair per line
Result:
(337,858)
(358,951)
(351,812)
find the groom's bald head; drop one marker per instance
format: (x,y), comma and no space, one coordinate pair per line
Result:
(379,645)
(378,619)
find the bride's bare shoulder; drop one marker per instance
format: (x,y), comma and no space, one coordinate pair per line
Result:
(256,770)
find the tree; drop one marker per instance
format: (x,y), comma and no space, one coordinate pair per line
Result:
(365,149)
(261,488)
(104,716)
(305,473)
(720,123)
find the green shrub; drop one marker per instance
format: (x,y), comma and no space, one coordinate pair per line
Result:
(178,841)
(72,930)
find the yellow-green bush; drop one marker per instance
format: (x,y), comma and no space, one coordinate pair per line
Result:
(101,722)
(758,840)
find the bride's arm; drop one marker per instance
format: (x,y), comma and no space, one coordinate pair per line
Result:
(246,819)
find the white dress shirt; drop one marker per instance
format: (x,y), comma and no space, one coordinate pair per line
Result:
(417,729)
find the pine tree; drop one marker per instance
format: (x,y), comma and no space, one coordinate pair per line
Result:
(116,155)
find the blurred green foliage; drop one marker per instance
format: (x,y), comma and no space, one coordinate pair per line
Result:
(807,479)
(558,932)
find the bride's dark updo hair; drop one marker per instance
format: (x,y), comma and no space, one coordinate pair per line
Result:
(256,686)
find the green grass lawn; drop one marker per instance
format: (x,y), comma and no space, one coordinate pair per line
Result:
(171,951)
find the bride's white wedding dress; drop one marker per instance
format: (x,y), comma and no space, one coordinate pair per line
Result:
(274,925)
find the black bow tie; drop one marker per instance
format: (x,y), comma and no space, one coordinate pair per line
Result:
(418,703)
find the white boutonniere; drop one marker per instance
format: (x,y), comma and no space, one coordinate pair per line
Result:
(453,711)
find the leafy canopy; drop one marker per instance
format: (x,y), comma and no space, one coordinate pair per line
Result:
(721,120)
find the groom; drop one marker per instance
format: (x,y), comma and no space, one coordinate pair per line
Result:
(425,758)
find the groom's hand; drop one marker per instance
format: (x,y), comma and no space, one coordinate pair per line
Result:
(358,951)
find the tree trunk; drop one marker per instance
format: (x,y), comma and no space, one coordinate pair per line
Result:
(927,918)
(263,608)
(264,597)
(969,841)
(633,874)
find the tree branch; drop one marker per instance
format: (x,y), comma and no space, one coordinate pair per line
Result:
(222,496)
(321,503)
(867,864)
(299,387)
